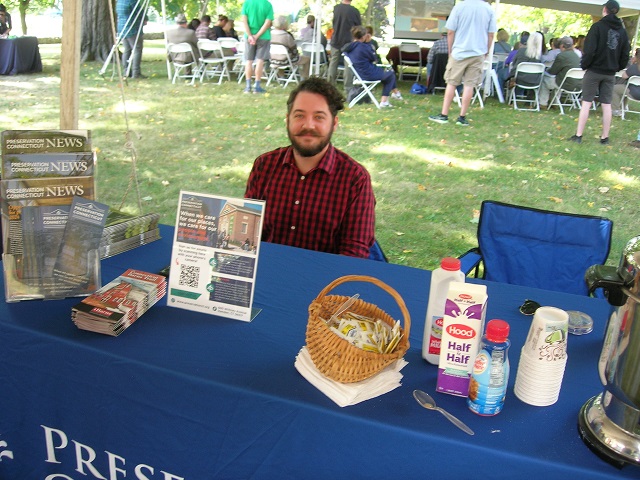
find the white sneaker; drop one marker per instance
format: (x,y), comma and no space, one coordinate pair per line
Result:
(385,105)
(396,95)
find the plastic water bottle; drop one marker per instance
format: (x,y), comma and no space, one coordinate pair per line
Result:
(490,375)
(449,271)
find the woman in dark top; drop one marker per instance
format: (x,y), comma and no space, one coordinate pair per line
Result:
(218,28)
(363,58)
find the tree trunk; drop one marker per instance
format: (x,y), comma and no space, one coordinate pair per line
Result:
(97,37)
(22,8)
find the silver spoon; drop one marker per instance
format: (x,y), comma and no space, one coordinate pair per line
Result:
(428,402)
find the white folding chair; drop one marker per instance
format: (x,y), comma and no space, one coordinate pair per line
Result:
(212,62)
(403,61)
(182,60)
(477,89)
(527,68)
(232,54)
(318,56)
(565,97)
(367,85)
(288,69)
(627,99)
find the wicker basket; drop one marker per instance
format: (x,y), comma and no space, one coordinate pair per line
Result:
(337,358)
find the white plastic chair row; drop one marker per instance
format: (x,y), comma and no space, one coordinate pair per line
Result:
(288,69)
(212,61)
(527,68)
(183,61)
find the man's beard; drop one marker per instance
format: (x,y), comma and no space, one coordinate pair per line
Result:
(311,150)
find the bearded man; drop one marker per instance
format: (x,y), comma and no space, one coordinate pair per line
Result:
(317,197)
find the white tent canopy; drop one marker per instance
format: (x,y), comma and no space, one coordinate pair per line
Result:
(588,7)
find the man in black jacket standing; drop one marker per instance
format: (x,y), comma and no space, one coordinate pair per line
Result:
(606,51)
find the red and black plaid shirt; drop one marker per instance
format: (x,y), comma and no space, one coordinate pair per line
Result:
(330,209)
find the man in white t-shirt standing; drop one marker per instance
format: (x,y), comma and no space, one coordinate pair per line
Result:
(470,30)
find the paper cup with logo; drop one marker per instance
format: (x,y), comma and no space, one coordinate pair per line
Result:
(547,338)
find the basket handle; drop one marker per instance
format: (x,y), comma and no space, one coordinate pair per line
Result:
(379,283)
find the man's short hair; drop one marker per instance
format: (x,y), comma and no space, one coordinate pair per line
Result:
(206,18)
(311,19)
(181,19)
(335,99)
(566,42)
(612,7)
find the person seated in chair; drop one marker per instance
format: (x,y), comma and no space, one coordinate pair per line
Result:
(306,33)
(565,60)
(183,34)
(204,30)
(4,29)
(618,89)
(317,196)
(218,28)
(280,35)
(531,52)
(439,46)
(229,29)
(373,42)
(5,21)
(363,58)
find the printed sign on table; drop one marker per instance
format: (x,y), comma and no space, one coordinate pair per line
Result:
(215,255)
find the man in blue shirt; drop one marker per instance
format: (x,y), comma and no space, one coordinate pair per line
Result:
(470,30)
(131,18)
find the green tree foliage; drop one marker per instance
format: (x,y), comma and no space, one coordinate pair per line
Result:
(553,23)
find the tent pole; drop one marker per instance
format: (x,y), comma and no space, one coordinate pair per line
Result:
(70,64)
(166,42)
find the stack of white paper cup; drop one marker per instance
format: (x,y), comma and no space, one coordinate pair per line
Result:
(543,358)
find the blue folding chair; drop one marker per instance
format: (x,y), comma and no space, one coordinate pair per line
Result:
(376,253)
(538,248)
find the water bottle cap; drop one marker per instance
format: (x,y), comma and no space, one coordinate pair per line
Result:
(497,330)
(450,264)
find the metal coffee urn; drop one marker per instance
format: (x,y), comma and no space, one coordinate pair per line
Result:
(609,423)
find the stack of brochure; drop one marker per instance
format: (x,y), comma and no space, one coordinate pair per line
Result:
(115,307)
(124,231)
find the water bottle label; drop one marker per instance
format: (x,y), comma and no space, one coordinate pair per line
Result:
(435,339)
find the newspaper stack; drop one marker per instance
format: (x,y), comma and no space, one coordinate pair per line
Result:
(124,232)
(115,307)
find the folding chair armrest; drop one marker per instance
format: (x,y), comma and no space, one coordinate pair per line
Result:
(470,260)
(376,253)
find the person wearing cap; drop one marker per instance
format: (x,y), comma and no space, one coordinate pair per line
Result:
(183,34)
(257,16)
(554,75)
(606,51)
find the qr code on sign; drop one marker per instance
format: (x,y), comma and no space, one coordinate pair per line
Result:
(189,275)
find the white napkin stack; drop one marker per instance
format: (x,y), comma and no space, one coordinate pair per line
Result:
(344,394)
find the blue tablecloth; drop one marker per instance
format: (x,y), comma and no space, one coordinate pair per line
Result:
(201,397)
(19,55)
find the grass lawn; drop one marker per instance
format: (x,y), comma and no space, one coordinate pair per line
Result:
(429,179)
